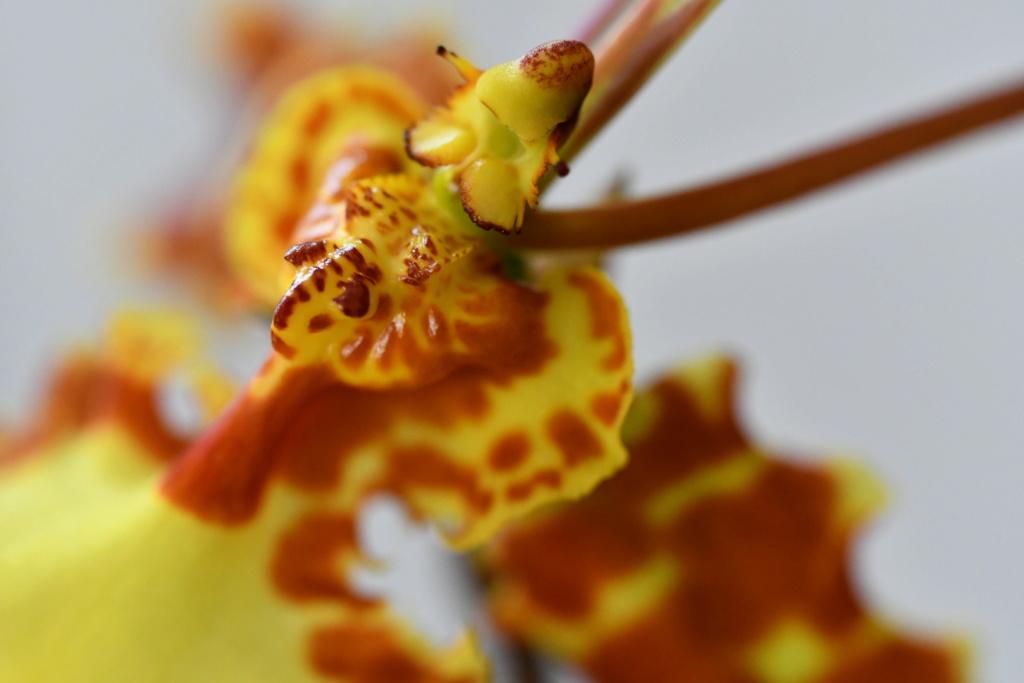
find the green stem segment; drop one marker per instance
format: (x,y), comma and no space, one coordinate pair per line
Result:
(680,213)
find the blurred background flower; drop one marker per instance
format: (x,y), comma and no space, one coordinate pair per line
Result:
(882,319)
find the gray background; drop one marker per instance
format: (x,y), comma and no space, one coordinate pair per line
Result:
(882,319)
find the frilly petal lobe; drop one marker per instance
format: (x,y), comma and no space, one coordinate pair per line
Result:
(705,559)
(493,438)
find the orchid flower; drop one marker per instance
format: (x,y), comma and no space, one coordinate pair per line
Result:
(431,337)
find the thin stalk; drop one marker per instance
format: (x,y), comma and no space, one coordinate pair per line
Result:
(680,213)
(627,59)
(526,665)
(596,26)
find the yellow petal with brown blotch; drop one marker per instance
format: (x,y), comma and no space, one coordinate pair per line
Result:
(534,420)
(706,559)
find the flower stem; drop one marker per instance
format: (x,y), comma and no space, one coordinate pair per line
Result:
(679,213)
(645,38)
(528,668)
(600,22)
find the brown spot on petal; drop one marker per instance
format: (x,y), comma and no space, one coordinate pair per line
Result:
(300,173)
(354,300)
(317,119)
(425,467)
(354,353)
(306,253)
(573,438)
(284,311)
(285,224)
(305,565)
(781,527)
(319,278)
(551,479)
(606,407)
(85,392)
(355,163)
(902,661)
(282,347)
(362,652)
(606,318)
(353,256)
(510,452)
(320,322)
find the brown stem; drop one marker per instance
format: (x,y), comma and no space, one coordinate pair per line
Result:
(628,58)
(596,25)
(528,669)
(632,222)
(526,666)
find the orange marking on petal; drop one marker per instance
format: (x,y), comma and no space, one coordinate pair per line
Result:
(362,653)
(285,225)
(510,452)
(527,350)
(306,253)
(573,437)
(606,317)
(606,407)
(567,562)
(314,456)
(223,477)
(902,661)
(318,118)
(300,173)
(695,560)
(305,566)
(281,346)
(552,479)
(423,466)
(355,352)
(782,527)
(320,322)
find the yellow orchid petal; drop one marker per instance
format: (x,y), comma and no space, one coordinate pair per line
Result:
(535,419)
(705,559)
(355,113)
(105,578)
(498,134)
